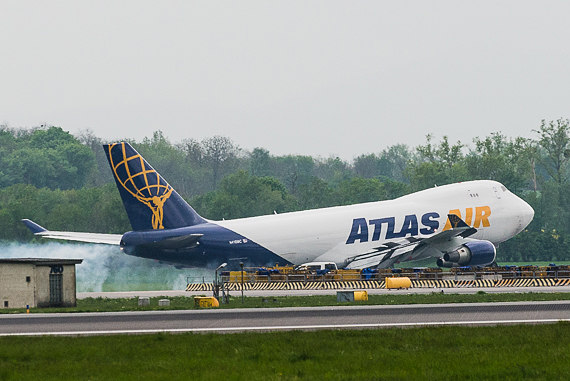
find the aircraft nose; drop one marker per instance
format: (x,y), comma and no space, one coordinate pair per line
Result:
(526,212)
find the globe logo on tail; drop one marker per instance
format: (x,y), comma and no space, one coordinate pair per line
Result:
(138,178)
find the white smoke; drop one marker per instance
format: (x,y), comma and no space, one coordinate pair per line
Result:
(106,268)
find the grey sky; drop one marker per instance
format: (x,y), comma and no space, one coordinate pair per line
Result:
(309,77)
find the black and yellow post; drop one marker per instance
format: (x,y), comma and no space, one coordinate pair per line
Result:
(241,265)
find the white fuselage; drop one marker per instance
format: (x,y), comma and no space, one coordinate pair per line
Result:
(337,233)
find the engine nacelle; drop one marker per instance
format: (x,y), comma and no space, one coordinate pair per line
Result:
(443,263)
(473,253)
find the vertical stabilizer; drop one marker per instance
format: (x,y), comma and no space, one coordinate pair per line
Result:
(150,202)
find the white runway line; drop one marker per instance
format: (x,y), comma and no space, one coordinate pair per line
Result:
(286,328)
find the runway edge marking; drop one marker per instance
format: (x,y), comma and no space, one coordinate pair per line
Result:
(289,327)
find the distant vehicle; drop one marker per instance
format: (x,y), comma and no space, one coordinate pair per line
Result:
(458,224)
(320,266)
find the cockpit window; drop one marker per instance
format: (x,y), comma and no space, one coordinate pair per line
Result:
(503,188)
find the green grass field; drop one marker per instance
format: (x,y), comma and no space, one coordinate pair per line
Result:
(184,302)
(540,352)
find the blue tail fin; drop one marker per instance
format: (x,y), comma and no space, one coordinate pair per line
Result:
(151,203)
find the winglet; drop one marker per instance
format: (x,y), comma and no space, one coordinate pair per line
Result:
(34,228)
(456,221)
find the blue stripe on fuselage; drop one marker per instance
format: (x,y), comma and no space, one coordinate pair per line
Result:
(217,245)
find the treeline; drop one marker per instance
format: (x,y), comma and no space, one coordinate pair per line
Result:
(64,182)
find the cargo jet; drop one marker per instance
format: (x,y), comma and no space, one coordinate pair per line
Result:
(458,225)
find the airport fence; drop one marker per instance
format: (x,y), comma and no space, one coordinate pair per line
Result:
(421,274)
(347,279)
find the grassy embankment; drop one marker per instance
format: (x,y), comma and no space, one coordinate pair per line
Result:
(501,353)
(184,302)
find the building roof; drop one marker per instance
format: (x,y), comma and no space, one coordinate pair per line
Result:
(42,261)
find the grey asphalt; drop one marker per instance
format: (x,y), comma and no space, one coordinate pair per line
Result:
(274,319)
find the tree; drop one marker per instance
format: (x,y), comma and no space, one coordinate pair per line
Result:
(508,161)
(219,153)
(554,154)
(169,161)
(396,159)
(358,189)
(294,170)
(390,163)
(332,170)
(195,161)
(88,209)
(260,162)
(368,166)
(317,193)
(437,164)
(101,173)
(393,188)
(554,140)
(45,157)
(243,195)
(530,246)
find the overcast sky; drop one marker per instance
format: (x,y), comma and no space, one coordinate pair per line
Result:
(310,77)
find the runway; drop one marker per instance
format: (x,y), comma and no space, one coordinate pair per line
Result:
(280,319)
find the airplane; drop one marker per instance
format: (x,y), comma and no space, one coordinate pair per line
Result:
(459,224)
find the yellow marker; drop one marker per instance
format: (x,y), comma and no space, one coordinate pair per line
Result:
(360,295)
(206,302)
(398,282)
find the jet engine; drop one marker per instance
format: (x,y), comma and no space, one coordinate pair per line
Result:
(473,253)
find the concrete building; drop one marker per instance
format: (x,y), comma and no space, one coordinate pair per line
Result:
(37,282)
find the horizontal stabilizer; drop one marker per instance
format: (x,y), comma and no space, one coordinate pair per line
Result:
(109,239)
(34,228)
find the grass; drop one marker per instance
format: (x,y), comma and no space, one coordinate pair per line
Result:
(473,353)
(183,302)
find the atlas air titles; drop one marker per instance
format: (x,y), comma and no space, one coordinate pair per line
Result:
(413,224)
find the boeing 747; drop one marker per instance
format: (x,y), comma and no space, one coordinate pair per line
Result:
(458,224)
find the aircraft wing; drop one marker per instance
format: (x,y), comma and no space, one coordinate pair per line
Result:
(394,251)
(109,239)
